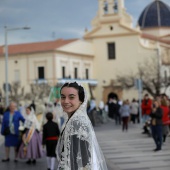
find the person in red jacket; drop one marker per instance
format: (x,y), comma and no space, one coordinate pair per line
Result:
(146,108)
(165,118)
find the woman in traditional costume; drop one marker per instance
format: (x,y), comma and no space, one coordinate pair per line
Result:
(77,147)
(31,147)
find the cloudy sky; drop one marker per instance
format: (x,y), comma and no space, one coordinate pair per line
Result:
(52,19)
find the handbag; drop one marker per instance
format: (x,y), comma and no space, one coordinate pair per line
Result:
(6,131)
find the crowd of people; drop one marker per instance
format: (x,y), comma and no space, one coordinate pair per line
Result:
(155,116)
(65,130)
(66,127)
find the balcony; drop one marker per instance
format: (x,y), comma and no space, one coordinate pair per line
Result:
(91,82)
(40,81)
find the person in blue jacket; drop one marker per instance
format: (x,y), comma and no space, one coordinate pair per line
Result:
(10,130)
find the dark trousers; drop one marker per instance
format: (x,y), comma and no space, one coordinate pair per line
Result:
(125,123)
(51,148)
(157,135)
(92,117)
(133,118)
(118,119)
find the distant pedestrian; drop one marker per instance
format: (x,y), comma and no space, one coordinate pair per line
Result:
(58,115)
(156,124)
(165,118)
(92,111)
(125,113)
(1,113)
(33,106)
(110,104)
(50,138)
(146,108)
(10,129)
(134,107)
(31,147)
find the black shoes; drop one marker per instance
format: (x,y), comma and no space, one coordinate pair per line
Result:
(34,161)
(157,149)
(29,161)
(15,160)
(5,160)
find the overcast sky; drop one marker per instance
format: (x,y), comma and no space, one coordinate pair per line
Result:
(53,19)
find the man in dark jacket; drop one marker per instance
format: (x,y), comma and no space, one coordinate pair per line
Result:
(156,125)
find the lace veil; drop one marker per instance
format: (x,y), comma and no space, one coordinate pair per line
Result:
(77,147)
(31,120)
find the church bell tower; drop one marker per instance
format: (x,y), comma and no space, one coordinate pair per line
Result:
(108,7)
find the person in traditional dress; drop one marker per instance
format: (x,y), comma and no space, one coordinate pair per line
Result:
(10,126)
(31,147)
(50,137)
(77,147)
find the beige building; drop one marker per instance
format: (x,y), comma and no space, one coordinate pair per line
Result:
(49,62)
(112,47)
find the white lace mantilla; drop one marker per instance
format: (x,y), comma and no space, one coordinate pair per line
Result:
(77,147)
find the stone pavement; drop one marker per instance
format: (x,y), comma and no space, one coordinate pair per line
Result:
(123,151)
(131,150)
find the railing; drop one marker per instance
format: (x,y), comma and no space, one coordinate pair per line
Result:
(92,82)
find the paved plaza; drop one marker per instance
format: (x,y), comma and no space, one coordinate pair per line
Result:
(131,150)
(123,151)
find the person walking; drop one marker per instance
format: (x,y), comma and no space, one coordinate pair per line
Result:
(115,109)
(51,133)
(31,147)
(156,124)
(10,129)
(77,147)
(125,113)
(134,107)
(146,108)
(1,112)
(165,118)
(110,104)
(32,105)
(58,114)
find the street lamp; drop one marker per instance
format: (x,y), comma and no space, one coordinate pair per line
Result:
(6,59)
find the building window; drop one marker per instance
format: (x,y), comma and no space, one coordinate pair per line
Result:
(63,72)
(87,73)
(111,51)
(41,74)
(75,73)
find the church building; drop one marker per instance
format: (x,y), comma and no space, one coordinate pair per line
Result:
(113,47)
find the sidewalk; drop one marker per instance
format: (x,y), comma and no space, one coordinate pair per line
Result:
(131,150)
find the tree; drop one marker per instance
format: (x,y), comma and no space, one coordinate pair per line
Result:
(38,92)
(149,73)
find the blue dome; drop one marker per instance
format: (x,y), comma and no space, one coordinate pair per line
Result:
(156,14)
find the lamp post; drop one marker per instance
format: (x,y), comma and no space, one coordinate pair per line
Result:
(6,59)
(159,64)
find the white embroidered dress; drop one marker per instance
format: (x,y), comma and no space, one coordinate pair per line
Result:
(77,147)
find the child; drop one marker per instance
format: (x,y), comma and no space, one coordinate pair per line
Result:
(50,137)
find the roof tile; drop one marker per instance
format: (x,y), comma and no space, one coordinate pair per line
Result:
(35,47)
